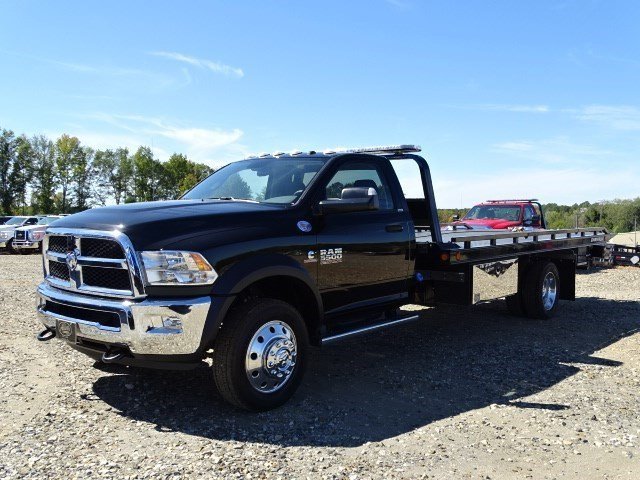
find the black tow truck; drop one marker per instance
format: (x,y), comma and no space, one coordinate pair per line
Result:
(275,253)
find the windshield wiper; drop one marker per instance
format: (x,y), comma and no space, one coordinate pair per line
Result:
(232,199)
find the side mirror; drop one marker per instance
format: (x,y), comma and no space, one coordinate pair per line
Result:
(456,218)
(355,199)
(535,220)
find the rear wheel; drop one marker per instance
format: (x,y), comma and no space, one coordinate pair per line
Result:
(541,292)
(259,354)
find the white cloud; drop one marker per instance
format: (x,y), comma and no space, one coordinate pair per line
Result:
(106,140)
(214,146)
(564,186)
(617,117)
(513,108)
(557,150)
(403,4)
(118,75)
(552,170)
(202,63)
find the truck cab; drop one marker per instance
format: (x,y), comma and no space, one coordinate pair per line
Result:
(504,214)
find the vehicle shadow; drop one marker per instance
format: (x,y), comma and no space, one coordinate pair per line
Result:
(372,388)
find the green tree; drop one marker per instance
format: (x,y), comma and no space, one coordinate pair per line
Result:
(181,174)
(43,183)
(68,155)
(8,146)
(82,179)
(146,175)
(21,172)
(113,171)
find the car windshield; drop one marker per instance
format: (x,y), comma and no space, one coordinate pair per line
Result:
(493,212)
(16,221)
(46,220)
(268,180)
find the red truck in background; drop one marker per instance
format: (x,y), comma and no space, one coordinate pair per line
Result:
(503,214)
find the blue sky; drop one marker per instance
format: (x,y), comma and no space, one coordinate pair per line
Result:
(506,98)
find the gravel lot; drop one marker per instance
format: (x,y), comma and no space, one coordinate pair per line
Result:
(466,393)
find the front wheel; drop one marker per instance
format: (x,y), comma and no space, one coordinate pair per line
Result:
(259,355)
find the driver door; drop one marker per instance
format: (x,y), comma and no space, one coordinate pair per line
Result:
(363,257)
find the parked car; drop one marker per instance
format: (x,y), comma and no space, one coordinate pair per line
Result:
(29,238)
(7,230)
(274,253)
(504,214)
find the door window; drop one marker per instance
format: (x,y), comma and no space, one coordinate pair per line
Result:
(360,174)
(528,213)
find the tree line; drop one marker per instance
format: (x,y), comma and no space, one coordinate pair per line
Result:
(615,215)
(40,175)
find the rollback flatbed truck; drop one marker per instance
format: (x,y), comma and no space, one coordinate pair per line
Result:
(275,253)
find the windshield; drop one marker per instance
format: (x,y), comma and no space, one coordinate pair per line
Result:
(46,220)
(269,180)
(16,221)
(492,212)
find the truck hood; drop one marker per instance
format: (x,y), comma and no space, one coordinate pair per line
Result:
(160,223)
(492,223)
(33,227)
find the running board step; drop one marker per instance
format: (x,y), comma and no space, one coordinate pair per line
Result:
(369,328)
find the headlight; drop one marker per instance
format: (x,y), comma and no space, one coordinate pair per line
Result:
(177,268)
(4,235)
(35,236)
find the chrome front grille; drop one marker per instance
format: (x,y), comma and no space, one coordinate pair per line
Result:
(100,248)
(92,262)
(57,243)
(112,278)
(59,270)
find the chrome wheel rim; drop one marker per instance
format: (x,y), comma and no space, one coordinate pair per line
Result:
(271,356)
(549,291)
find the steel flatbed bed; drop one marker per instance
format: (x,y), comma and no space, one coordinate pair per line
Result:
(474,245)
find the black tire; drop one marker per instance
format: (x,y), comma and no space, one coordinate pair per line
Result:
(231,348)
(532,293)
(514,305)
(10,248)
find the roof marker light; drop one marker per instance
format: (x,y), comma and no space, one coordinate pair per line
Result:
(381,150)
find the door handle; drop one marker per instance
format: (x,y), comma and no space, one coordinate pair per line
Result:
(395,227)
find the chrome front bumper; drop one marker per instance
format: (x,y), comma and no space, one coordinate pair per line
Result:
(25,244)
(170,326)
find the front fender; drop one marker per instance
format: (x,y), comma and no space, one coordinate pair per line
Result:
(238,277)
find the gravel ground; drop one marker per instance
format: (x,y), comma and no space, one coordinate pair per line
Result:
(465,393)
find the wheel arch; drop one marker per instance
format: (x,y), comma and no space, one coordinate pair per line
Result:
(565,262)
(273,276)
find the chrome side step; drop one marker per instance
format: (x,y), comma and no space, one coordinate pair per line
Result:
(368,328)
